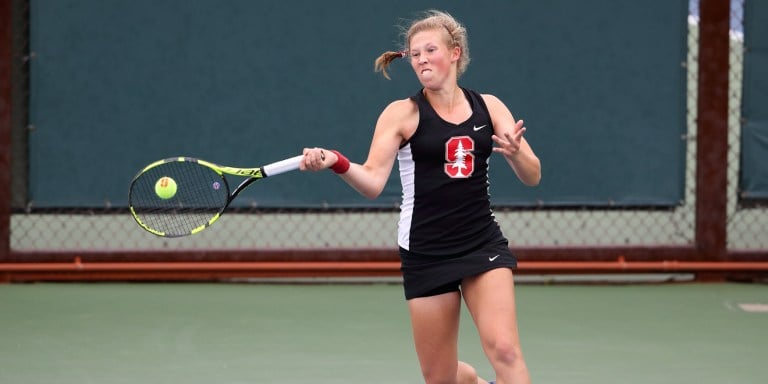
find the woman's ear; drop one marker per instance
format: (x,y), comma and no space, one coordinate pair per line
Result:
(456,53)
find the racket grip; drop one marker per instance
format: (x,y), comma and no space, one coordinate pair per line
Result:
(282,166)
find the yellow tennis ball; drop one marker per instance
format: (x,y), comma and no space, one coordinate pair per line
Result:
(165,187)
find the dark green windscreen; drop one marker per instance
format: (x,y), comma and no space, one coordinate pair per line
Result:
(754,131)
(116,85)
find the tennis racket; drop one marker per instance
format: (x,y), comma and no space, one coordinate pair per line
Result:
(181,196)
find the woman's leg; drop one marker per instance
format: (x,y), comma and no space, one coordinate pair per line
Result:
(490,298)
(435,324)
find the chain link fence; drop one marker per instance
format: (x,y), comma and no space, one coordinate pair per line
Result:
(113,229)
(747,225)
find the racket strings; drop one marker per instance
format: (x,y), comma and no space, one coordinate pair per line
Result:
(201,194)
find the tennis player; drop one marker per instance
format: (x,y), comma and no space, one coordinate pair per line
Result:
(450,244)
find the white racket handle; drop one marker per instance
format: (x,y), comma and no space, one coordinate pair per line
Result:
(282,166)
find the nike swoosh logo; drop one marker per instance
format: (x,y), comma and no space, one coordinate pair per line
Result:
(479,128)
(493,258)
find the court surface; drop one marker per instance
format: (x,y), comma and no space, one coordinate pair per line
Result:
(359,333)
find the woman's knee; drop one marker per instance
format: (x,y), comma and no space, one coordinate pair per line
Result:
(506,353)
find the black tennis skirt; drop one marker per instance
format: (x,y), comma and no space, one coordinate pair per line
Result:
(429,275)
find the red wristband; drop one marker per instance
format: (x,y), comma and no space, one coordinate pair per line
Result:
(342,164)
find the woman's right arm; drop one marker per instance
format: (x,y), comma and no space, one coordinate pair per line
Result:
(370,177)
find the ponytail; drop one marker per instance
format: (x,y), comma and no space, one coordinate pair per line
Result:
(386,58)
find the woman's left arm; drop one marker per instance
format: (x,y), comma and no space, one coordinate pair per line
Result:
(508,136)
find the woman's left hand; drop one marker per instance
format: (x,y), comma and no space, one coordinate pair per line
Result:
(510,144)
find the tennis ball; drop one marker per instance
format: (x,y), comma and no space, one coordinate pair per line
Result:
(165,188)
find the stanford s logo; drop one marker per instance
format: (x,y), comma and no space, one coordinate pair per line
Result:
(460,162)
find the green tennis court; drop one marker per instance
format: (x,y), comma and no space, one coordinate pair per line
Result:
(359,333)
(649,118)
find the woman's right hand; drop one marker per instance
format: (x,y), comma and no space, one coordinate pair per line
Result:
(317,159)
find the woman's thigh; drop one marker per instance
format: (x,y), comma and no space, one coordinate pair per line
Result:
(435,324)
(490,298)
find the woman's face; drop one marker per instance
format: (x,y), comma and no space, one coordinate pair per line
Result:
(431,58)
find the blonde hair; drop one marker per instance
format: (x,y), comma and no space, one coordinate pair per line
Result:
(432,19)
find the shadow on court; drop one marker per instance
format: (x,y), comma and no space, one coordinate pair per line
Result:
(260,333)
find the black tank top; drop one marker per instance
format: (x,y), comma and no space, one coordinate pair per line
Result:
(446,207)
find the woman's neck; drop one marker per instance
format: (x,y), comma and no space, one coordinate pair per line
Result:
(451,105)
(445,99)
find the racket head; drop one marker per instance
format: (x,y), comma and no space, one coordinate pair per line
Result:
(202,193)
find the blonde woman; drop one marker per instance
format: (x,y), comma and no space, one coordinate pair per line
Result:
(450,244)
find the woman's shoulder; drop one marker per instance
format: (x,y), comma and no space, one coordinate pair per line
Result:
(401,107)
(401,116)
(487,97)
(493,103)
